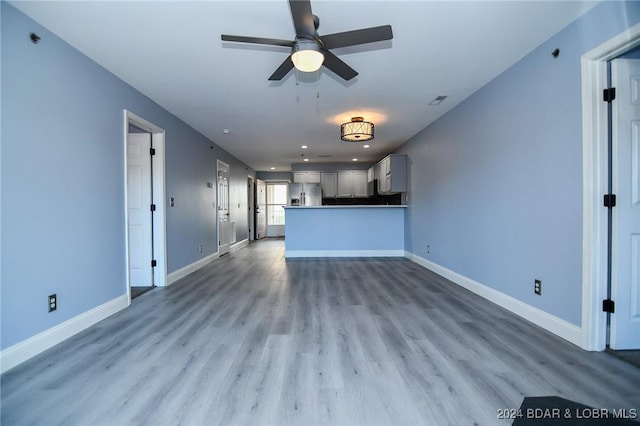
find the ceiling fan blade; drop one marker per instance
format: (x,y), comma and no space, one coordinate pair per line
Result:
(282,70)
(258,40)
(302,18)
(355,37)
(336,65)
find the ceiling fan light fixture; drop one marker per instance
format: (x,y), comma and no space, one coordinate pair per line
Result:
(357,130)
(307,55)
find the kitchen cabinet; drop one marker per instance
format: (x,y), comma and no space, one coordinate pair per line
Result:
(391,173)
(329,184)
(345,184)
(352,183)
(306,177)
(360,184)
(371,174)
(384,180)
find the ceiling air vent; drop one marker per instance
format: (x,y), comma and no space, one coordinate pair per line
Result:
(438,100)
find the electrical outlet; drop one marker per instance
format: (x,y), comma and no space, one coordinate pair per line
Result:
(53,302)
(428,249)
(537,287)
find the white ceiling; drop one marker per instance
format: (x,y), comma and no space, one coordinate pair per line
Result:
(171,51)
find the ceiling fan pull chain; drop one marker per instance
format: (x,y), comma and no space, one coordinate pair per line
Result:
(318,83)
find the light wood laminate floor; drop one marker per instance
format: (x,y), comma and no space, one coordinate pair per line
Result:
(253,339)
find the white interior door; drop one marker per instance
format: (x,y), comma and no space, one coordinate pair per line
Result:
(139,209)
(625,286)
(224,223)
(261,209)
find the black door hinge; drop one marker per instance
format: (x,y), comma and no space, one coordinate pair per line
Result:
(609,200)
(153,207)
(609,95)
(152,151)
(608,305)
(154,263)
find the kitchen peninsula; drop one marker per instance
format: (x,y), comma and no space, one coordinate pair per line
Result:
(344,231)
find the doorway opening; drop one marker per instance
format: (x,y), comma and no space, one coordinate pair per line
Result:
(226,233)
(261,209)
(251,200)
(277,199)
(604,276)
(145,229)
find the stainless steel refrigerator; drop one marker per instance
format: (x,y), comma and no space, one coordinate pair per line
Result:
(305,194)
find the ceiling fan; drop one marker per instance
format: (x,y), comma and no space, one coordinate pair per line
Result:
(309,51)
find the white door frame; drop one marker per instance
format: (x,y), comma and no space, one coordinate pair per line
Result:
(220,163)
(263,213)
(159,219)
(595,184)
(251,203)
(280,228)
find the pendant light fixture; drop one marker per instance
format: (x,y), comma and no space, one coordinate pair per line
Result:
(357,130)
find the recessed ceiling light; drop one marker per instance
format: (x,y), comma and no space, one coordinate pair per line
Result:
(306,159)
(304,147)
(273,168)
(354,159)
(226,131)
(366,146)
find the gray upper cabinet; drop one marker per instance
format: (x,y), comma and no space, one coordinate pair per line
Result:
(329,184)
(371,175)
(306,177)
(360,183)
(352,183)
(391,173)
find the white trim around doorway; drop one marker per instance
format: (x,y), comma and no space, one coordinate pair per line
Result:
(159,197)
(595,184)
(219,199)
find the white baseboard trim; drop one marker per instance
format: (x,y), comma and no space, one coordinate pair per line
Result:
(555,325)
(21,352)
(186,270)
(239,245)
(344,253)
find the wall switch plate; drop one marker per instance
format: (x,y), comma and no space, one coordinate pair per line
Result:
(53,302)
(537,287)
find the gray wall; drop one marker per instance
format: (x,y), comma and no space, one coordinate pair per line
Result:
(62,170)
(496,184)
(275,176)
